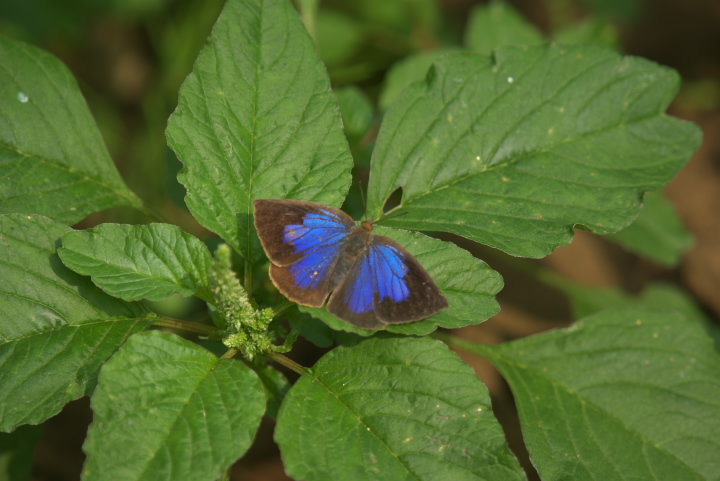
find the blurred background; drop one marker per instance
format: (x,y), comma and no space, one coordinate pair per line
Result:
(130,57)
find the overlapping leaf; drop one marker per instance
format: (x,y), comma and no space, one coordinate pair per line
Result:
(408,71)
(167,409)
(468,284)
(17,452)
(626,394)
(513,151)
(590,31)
(356,110)
(52,158)
(56,327)
(392,408)
(496,24)
(135,262)
(257,119)
(587,300)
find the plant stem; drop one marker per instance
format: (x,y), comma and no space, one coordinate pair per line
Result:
(229,354)
(308,12)
(284,306)
(247,277)
(189,326)
(468,346)
(289,363)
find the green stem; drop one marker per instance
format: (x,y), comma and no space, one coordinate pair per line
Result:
(229,354)
(543,274)
(308,12)
(188,326)
(467,346)
(289,363)
(279,310)
(247,277)
(225,475)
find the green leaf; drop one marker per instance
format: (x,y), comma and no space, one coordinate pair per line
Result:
(469,285)
(135,262)
(627,10)
(52,157)
(408,71)
(393,408)
(339,37)
(17,453)
(257,119)
(497,24)
(276,387)
(203,411)
(625,395)
(398,17)
(514,151)
(308,327)
(661,297)
(657,233)
(56,327)
(587,300)
(357,112)
(591,31)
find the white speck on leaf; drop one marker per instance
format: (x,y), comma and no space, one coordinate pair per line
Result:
(22,97)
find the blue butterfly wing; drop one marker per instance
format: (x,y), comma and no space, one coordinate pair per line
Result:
(386,285)
(303,241)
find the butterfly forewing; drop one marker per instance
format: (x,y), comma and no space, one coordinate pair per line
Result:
(302,240)
(318,225)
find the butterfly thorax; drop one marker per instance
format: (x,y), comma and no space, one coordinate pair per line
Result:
(355,245)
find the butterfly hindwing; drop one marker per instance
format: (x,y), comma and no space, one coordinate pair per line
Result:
(386,285)
(302,240)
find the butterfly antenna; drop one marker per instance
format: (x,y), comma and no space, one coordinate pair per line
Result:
(392,216)
(362,196)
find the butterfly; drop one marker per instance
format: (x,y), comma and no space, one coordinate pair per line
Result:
(316,250)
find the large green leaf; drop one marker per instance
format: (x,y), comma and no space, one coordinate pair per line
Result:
(56,327)
(657,233)
(469,285)
(167,409)
(136,262)
(257,119)
(513,151)
(393,408)
(625,395)
(52,158)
